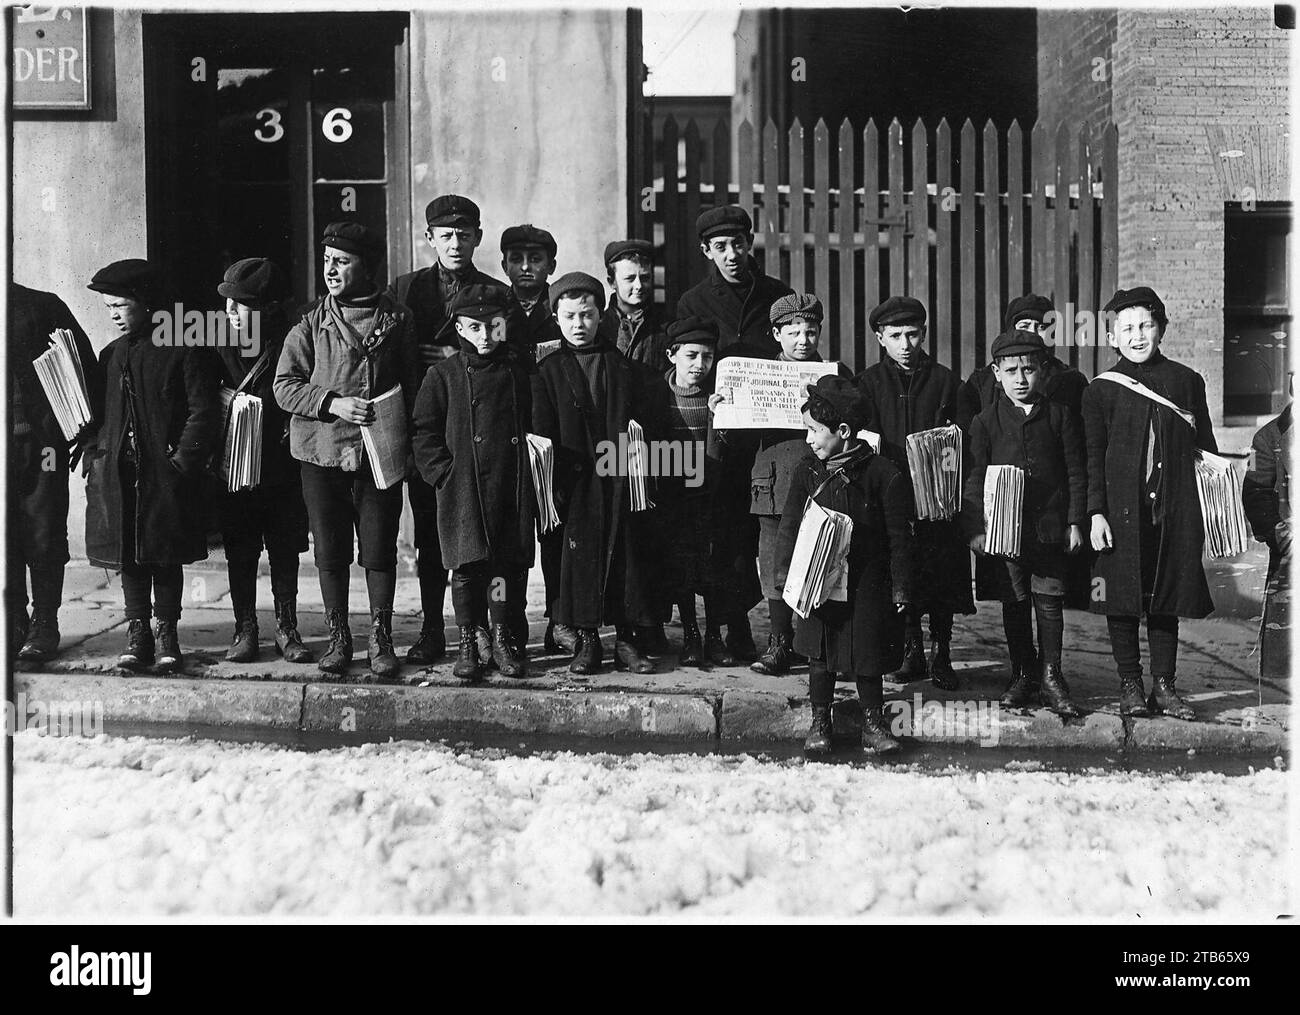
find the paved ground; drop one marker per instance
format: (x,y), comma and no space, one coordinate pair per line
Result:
(1218,669)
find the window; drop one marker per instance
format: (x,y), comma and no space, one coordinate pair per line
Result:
(1257,309)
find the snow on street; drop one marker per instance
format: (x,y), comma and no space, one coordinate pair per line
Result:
(112,827)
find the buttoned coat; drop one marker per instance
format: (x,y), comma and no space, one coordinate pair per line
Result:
(741,313)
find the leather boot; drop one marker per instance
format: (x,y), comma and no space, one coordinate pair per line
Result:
(244,647)
(339,652)
(384,663)
(775,662)
(1023,689)
(913,667)
(1165,700)
(288,642)
(483,638)
(560,639)
(19,626)
(716,651)
(588,656)
(740,641)
(431,645)
(510,661)
(139,651)
(629,657)
(942,675)
(876,737)
(169,658)
(818,740)
(1132,696)
(41,641)
(692,647)
(1056,692)
(468,663)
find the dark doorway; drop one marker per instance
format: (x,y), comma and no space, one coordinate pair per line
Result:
(1256,308)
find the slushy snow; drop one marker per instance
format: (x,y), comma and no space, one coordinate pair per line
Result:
(117,827)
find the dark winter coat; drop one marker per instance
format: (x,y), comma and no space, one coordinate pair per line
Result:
(1116,423)
(741,313)
(279,467)
(471,420)
(178,421)
(434,332)
(864,636)
(1062,383)
(608,562)
(902,404)
(1047,443)
(537,325)
(1266,496)
(646,343)
(32,316)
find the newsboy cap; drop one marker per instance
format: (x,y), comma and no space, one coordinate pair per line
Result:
(451,210)
(528,235)
(134,279)
(628,248)
(847,401)
(897,310)
(481,302)
(352,238)
(577,281)
(728,220)
(254,282)
(786,308)
(695,330)
(1017,342)
(1140,296)
(1030,307)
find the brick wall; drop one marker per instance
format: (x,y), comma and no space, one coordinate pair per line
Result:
(1075,50)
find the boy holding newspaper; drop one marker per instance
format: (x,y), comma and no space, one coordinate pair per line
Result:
(470,431)
(1144,420)
(1041,440)
(854,634)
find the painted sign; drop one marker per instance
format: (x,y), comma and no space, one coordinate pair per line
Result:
(51,67)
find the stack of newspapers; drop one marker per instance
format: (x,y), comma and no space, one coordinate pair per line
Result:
(819,568)
(1004,496)
(385,438)
(60,373)
(934,459)
(541,459)
(241,463)
(637,466)
(1219,488)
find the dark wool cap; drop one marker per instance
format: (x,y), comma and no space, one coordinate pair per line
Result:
(528,235)
(628,248)
(1017,342)
(254,282)
(847,401)
(352,237)
(481,302)
(1030,307)
(133,278)
(795,305)
(1141,296)
(578,281)
(728,220)
(897,310)
(696,330)
(452,210)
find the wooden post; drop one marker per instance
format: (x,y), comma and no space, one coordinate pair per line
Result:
(1015,213)
(992,242)
(918,259)
(870,234)
(771,201)
(846,344)
(821,217)
(797,208)
(675,270)
(1038,253)
(694,267)
(944,213)
(896,211)
(1061,295)
(969,325)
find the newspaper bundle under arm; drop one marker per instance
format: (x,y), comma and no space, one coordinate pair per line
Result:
(819,564)
(385,438)
(541,461)
(60,372)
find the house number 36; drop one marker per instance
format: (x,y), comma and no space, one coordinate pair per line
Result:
(336,126)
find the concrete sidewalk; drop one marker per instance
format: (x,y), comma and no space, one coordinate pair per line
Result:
(1218,667)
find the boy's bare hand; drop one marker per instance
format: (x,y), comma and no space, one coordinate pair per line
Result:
(716,399)
(1102,539)
(353,410)
(1074,540)
(977,543)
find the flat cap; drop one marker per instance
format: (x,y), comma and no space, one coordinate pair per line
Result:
(695,330)
(577,281)
(847,401)
(628,248)
(1030,307)
(724,221)
(134,278)
(451,210)
(352,237)
(254,282)
(1017,342)
(528,235)
(1140,296)
(897,310)
(795,305)
(481,302)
